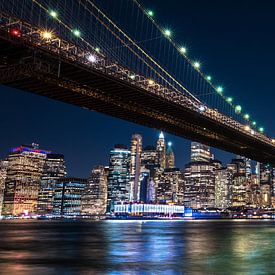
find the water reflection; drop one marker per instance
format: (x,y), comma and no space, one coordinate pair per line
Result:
(115,247)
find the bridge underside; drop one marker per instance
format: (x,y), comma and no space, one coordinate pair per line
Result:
(46,74)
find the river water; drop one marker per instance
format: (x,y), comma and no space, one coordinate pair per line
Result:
(137,247)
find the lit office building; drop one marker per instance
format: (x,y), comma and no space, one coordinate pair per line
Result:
(3,175)
(144,183)
(136,150)
(266,184)
(170,186)
(161,151)
(170,157)
(23,179)
(200,152)
(200,178)
(239,182)
(53,169)
(94,198)
(253,192)
(67,196)
(223,188)
(119,187)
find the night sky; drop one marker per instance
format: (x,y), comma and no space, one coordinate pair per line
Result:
(234,41)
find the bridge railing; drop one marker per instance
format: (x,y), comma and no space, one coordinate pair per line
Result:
(92,59)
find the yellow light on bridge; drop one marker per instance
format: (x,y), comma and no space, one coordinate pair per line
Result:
(273,140)
(47,35)
(151,82)
(247,128)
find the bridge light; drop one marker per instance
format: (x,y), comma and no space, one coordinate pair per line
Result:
(196,64)
(220,89)
(252,132)
(15,32)
(229,99)
(53,13)
(47,35)
(167,32)
(97,50)
(209,78)
(132,76)
(202,109)
(246,116)
(76,32)
(238,108)
(150,13)
(151,82)
(92,58)
(261,129)
(183,50)
(273,140)
(254,123)
(169,143)
(247,128)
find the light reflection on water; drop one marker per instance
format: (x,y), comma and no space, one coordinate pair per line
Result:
(141,247)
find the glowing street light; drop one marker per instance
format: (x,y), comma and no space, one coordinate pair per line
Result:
(53,13)
(132,76)
(238,108)
(254,123)
(209,78)
(151,82)
(261,129)
(169,143)
(229,99)
(97,50)
(76,32)
(167,32)
(247,128)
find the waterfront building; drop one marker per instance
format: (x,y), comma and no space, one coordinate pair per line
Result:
(254,197)
(135,165)
(266,184)
(119,187)
(239,182)
(94,197)
(3,175)
(170,186)
(170,157)
(67,196)
(53,169)
(144,184)
(161,151)
(25,167)
(223,188)
(200,178)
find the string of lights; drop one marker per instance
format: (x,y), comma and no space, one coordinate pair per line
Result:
(197,66)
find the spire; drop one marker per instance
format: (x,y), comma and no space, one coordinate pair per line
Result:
(161,135)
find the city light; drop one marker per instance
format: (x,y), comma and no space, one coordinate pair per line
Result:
(97,50)
(151,82)
(15,32)
(273,140)
(209,78)
(150,13)
(202,109)
(247,128)
(167,32)
(53,13)
(92,58)
(247,116)
(261,129)
(196,64)
(254,123)
(132,76)
(183,50)
(238,108)
(47,35)
(220,89)
(169,143)
(229,99)
(76,32)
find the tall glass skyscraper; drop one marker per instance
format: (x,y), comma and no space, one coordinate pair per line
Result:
(23,179)
(119,187)
(53,169)
(161,151)
(94,198)
(3,176)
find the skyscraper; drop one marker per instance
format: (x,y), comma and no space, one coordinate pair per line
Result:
(119,187)
(136,150)
(161,151)
(3,176)
(67,196)
(23,179)
(53,169)
(170,157)
(94,197)
(200,178)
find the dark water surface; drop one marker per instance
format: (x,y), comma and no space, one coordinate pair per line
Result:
(148,247)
